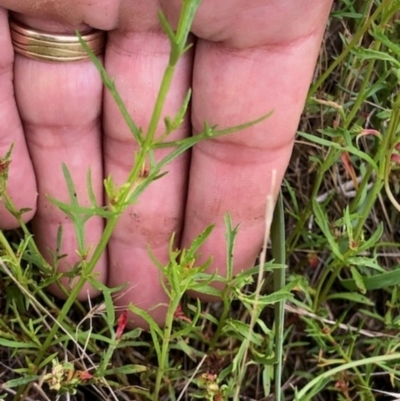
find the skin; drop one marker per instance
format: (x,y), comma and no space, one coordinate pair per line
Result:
(250,57)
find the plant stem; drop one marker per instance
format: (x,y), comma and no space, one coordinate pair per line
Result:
(279,254)
(163,357)
(178,48)
(360,33)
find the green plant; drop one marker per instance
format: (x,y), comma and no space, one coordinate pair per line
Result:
(29,274)
(339,339)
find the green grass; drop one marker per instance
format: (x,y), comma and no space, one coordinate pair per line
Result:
(339,337)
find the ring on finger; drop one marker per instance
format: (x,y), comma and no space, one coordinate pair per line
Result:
(45,46)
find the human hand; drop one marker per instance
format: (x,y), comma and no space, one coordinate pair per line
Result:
(251,57)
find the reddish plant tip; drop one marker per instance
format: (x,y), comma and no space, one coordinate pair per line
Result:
(368,131)
(313,260)
(341,385)
(395,158)
(122,320)
(145,172)
(4,164)
(347,163)
(86,376)
(180,315)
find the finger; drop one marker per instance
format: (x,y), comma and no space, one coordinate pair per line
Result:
(60,106)
(137,61)
(99,14)
(21,184)
(234,174)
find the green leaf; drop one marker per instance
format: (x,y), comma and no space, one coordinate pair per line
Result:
(155,331)
(264,300)
(20,381)
(132,334)
(86,211)
(351,296)
(372,240)
(89,185)
(371,54)
(82,337)
(377,34)
(375,282)
(207,133)
(109,84)
(349,148)
(110,309)
(243,329)
(230,235)
(322,222)
(191,352)
(17,344)
(47,361)
(166,27)
(363,261)
(358,279)
(198,242)
(126,370)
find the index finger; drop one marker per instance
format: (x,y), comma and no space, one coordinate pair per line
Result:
(21,183)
